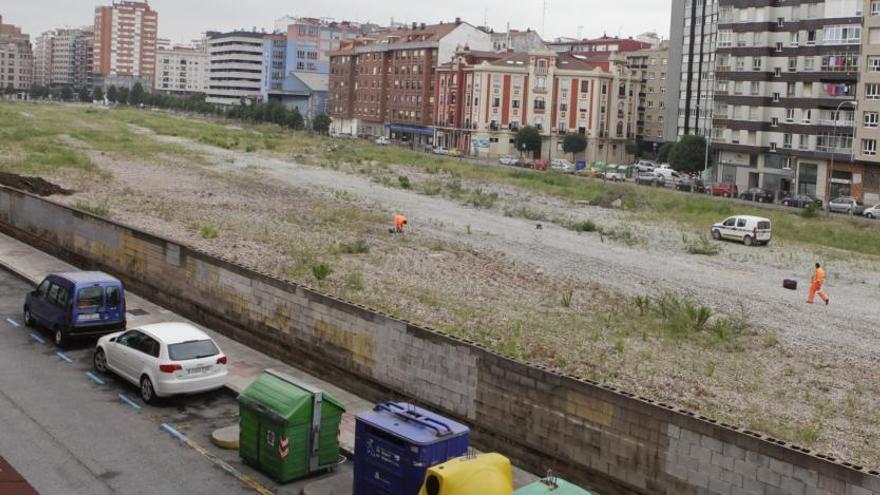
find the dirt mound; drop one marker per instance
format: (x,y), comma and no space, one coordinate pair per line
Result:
(33,185)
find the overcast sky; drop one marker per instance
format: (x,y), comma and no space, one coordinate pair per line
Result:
(182,20)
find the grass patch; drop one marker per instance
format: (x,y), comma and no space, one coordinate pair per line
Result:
(359,246)
(209,232)
(321,271)
(404,182)
(524,211)
(700,245)
(97,210)
(580,225)
(480,199)
(678,318)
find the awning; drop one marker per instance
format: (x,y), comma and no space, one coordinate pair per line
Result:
(427,131)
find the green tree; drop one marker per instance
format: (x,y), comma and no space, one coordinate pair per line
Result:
(688,154)
(66,93)
(321,123)
(528,139)
(574,143)
(295,120)
(122,95)
(633,148)
(136,96)
(84,95)
(112,94)
(98,94)
(663,152)
(9,89)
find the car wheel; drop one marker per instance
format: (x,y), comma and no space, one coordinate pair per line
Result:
(747,240)
(28,318)
(869,215)
(100,360)
(61,338)
(148,393)
(849,211)
(716,234)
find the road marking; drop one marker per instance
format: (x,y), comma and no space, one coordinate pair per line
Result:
(13,322)
(95,378)
(243,478)
(63,356)
(135,405)
(38,338)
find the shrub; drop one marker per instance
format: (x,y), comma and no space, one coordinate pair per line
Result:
(209,232)
(480,199)
(321,271)
(700,245)
(581,226)
(97,210)
(359,246)
(810,210)
(404,182)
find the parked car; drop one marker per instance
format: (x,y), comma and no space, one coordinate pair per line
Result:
(382,141)
(690,185)
(644,166)
(757,194)
(872,212)
(846,204)
(614,175)
(453,152)
(163,359)
(562,165)
(508,160)
(726,190)
(744,228)
(669,176)
(539,165)
(76,305)
(801,201)
(439,150)
(650,179)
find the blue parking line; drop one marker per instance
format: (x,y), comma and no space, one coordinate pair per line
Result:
(176,434)
(135,405)
(38,338)
(13,322)
(95,378)
(63,356)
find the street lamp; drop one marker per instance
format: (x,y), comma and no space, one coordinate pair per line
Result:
(833,146)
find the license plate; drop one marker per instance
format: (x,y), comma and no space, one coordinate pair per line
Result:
(200,369)
(89,317)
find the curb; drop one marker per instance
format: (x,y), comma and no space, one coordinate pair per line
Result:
(18,274)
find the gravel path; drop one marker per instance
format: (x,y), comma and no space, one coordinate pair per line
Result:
(740,279)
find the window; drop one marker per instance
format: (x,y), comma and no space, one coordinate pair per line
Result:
(774,121)
(786,141)
(114,297)
(192,350)
(842,35)
(792,64)
(869,146)
(808,116)
(872,91)
(875,7)
(90,297)
(776,97)
(789,115)
(772,146)
(756,63)
(740,222)
(871,119)
(755,88)
(874,64)
(43,289)
(811,37)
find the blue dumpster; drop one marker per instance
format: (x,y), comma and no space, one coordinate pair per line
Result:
(396,443)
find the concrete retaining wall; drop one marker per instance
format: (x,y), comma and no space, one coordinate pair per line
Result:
(596,435)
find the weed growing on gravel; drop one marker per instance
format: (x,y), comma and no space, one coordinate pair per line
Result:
(566,298)
(209,232)
(359,246)
(580,226)
(97,210)
(523,211)
(430,187)
(620,234)
(699,245)
(404,182)
(480,199)
(321,271)
(679,318)
(355,281)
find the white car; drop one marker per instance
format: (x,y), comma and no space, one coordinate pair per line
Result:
(745,228)
(562,165)
(508,160)
(382,141)
(163,359)
(614,176)
(872,212)
(440,150)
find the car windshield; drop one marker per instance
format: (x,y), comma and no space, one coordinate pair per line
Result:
(90,297)
(764,225)
(194,349)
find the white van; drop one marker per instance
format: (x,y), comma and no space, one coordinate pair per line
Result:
(746,228)
(670,176)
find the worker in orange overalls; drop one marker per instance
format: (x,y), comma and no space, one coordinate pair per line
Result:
(816,285)
(399,222)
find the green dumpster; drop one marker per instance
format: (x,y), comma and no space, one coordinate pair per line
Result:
(551,486)
(288,429)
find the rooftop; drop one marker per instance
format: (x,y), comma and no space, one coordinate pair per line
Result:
(174,333)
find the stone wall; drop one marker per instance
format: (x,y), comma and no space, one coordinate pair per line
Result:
(593,434)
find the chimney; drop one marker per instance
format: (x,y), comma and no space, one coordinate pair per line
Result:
(422,26)
(414,25)
(457,21)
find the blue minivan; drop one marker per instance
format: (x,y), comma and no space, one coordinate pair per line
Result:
(77,304)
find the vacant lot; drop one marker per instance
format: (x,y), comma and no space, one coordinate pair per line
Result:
(631,295)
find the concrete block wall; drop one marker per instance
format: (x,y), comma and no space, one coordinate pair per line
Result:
(593,434)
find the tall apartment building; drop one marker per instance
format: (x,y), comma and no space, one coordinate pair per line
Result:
(64,57)
(235,67)
(483,101)
(384,84)
(650,66)
(182,69)
(788,81)
(691,69)
(16,59)
(125,43)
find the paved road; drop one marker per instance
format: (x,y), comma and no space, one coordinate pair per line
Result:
(67,435)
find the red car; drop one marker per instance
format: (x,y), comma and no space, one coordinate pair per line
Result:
(726,190)
(540,165)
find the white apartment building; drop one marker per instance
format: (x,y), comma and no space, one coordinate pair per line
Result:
(64,57)
(182,70)
(235,68)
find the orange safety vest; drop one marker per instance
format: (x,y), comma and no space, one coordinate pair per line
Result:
(819,277)
(399,220)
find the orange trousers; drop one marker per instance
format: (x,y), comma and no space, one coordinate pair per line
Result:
(816,288)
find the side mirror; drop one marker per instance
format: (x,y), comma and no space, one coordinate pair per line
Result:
(34,293)
(113,339)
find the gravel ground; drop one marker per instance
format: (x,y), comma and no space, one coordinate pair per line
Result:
(498,279)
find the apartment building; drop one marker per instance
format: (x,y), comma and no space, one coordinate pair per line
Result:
(383,84)
(650,66)
(125,43)
(64,57)
(182,69)
(693,28)
(598,47)
(865,172)
(517,41)
(235,70)
(482,103)
(786,97)
(310,42)
(16,59)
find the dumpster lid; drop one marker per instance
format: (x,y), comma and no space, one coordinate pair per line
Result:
(282,395)
(416,425)
(551,486)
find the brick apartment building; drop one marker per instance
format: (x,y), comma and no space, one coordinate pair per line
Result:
(383,84)
(16,59)
(125,43)
(484,99)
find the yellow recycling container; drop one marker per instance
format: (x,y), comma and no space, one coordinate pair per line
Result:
(483,474)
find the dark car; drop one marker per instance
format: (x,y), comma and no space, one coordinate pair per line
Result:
(650,179)
(801,201)
(690,185)
(757,194)
(77,304)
